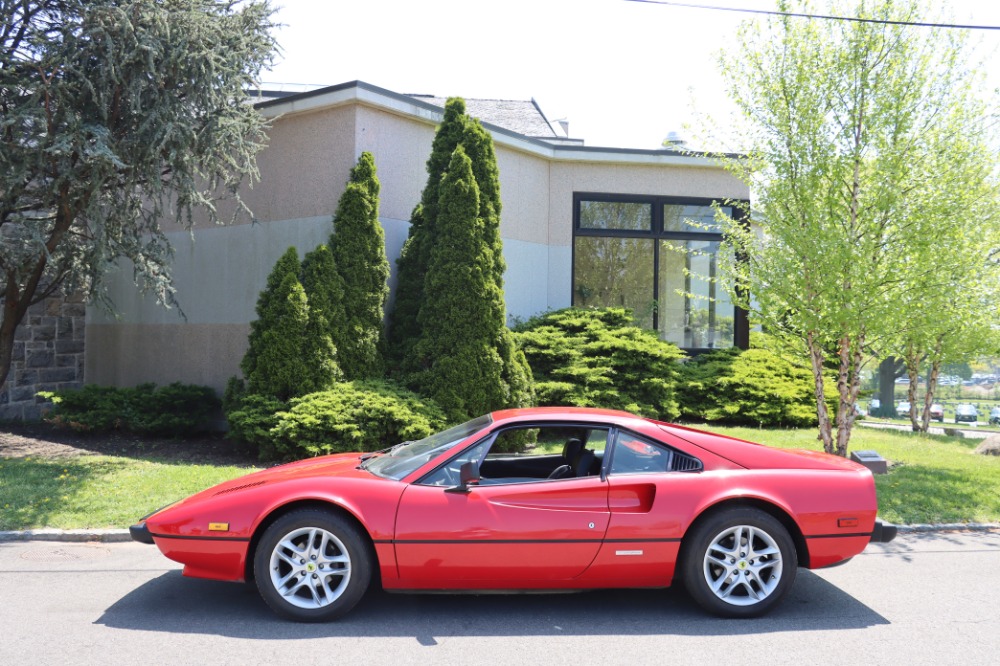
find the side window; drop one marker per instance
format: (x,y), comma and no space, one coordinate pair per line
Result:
(633,454)
(530,454)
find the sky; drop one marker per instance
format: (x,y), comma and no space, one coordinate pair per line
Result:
(624,74)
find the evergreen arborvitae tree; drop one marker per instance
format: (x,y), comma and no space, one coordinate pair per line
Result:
(358,250)
(325,294)
(478,146)
(463,370)
(287,264)
(465,343)
(324,288)
(280,364)
(290,352)
(404,327)
(415,292)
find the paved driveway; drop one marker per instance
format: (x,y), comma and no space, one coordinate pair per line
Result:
(923,599)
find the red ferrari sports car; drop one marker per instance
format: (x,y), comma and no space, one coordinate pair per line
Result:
(529,499)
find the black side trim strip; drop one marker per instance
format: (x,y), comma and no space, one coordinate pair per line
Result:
(493,541)
(642,540)
(200,538)
(837,536)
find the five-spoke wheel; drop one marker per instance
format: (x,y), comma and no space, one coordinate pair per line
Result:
(739,562)
(312,565)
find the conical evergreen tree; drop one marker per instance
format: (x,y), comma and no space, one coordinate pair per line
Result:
(415,293)
(460,328)
(358,249)
(323,286)
(280,364)
(290,351)
(404,328)
(287,264)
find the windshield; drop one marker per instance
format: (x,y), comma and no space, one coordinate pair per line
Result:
(408,456)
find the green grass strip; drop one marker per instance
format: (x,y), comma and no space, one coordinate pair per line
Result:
(95,491)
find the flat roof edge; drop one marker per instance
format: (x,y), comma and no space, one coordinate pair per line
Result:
(361,92)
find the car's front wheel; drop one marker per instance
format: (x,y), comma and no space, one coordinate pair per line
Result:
(740,562)
(312,565)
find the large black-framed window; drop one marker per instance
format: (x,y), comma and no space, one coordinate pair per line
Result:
(658,256)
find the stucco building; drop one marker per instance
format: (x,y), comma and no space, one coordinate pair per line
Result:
(581,225)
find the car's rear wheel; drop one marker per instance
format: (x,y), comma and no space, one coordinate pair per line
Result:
(740,562)
(312,565)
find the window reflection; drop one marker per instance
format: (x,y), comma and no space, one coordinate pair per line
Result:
(615,272)
(616,215)
(694,311)
(699,219)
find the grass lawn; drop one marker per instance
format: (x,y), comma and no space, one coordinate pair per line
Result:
(933,479)
(95,491)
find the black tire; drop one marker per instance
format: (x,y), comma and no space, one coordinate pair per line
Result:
(748,585)
(333,572)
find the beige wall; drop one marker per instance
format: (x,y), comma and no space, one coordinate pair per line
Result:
(130,354)
(570,177)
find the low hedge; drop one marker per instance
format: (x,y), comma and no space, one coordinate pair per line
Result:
(586,357)
(176,410)
(352,416)
(749,387)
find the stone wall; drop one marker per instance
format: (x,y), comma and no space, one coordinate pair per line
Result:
(48,356)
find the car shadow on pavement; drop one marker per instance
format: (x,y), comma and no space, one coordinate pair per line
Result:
(171,603)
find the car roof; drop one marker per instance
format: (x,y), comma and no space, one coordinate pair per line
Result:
(584,414)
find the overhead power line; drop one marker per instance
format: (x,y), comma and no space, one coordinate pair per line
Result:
(917,24)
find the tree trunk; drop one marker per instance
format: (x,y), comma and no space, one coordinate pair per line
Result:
(886,387)
(13,313)
(932,384)
(913,372)
(825,427)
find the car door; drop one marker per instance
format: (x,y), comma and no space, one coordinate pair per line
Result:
(503,533)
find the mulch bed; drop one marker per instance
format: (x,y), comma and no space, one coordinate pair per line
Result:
(45,441)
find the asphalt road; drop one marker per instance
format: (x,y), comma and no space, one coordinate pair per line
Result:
(923,599)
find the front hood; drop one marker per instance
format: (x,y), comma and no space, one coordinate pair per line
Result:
(334,465)
(338,465)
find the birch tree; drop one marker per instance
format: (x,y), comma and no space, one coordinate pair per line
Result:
(851,131)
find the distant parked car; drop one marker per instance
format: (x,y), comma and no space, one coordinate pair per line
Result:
(873,405)
(995,416)
(903,408)
(937,413)
(966,412)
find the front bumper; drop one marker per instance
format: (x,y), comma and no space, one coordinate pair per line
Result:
(140,533)
(883,532)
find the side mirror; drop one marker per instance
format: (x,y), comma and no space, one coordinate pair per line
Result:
(468,475)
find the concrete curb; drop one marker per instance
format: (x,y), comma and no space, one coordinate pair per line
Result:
(949,527)
(45,534)
(118,535)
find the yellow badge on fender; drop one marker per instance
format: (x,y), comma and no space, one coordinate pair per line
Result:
(218,527)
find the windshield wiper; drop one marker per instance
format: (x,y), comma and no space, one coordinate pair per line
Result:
(387,451)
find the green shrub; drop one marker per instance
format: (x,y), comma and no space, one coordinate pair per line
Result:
(176,410)
(751,387)
(251,418)
(599,358)
(353,416)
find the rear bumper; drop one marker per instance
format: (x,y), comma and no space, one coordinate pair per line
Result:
(883,532)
